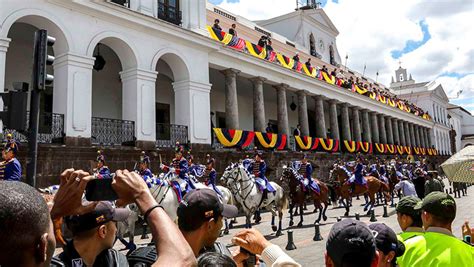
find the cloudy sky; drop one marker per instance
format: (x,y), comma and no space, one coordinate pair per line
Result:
(433,39)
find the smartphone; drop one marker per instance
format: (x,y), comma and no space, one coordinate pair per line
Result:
(251,261)
(100,189)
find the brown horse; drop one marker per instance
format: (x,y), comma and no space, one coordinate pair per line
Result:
(298,195)
(343,189)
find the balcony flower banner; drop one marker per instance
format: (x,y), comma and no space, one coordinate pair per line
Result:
(234,138)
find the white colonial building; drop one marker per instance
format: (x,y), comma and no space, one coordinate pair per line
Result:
(462,123)
(148,71)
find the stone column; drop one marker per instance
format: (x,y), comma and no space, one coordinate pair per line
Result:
(418,135)
(430,137)
(396,137)
(4,43)
(427,137)
(282,110)
(401,130)
(389,129)
(407,134)
(356,124)
(231,102)
(412,134)
(367,137)
(421,130)
(303,113)
(192,108)
(138,103)
(375,127)
(320,119)
(333,120)
(72,96)
(382,131)
(346,126)
(258,104)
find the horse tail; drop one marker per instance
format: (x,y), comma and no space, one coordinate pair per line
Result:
(284,202)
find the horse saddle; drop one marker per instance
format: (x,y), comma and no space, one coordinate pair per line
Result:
(262,185)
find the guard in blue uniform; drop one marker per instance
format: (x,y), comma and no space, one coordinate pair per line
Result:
(210,175)
(10,167)
(180,165)
(102,171)
(144,170)
(357,177)
(306,170)
(258,169)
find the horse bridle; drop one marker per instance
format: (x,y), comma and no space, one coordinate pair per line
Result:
(235,190)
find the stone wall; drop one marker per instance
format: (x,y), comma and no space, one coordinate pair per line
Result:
(52,160)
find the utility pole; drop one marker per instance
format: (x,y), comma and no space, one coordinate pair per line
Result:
(40,79)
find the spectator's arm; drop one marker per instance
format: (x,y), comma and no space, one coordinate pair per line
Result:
(171,247)
(254,242)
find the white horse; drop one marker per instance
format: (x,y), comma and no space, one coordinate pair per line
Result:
(242,185)
(167,198)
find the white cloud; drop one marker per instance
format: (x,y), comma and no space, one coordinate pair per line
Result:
(371,29)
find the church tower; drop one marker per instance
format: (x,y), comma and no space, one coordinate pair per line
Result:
(401,78)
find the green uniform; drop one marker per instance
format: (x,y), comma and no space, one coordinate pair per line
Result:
(409,233)
(433,185)
(436,248)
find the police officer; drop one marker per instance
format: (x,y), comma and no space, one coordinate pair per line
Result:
(432,183)
(438,246)
(408,218)
(10,167)
(101,170)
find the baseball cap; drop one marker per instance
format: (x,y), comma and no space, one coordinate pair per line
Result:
(407,204)
(386,239)
(103,213)
(200,205)
(350,237)
(439,204)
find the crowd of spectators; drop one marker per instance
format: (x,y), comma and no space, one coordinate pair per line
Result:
(26,230)
(349,79)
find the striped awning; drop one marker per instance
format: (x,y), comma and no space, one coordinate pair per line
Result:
(460,167)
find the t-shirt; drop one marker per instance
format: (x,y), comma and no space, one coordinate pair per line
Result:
(436,248)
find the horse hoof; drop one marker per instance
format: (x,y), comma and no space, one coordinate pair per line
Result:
(365,208)
(325,218)
(368,212)
(300,224)
(258,221)
(231,225)
(278,233)
(315,210)
(291,223)
(226,231)
(346,213)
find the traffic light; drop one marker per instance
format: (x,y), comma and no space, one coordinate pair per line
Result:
(14,110)
(41,78)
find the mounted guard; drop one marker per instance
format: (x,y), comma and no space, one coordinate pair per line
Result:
(101,171)
(210,175)
(258,167)
(10,167)
(357,176)
(145,172)
(305,169)
(179,166)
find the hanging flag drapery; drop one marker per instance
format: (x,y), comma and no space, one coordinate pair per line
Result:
(380,148)
(382,99)
(310,72)
(365,147)
(285,61)
(408,150)
(400,149)
(298,66)
(416,150)
(350,146)
(390,149)
(328,145)
(423,151)
(361,91)
(307,142)
(391,102)
(272,140)
(256,50)
(234,138)
(271,55)
(329,78)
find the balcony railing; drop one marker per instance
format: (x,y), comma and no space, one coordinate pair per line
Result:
(168,134)
(169,13)
(110,132)
(51,129)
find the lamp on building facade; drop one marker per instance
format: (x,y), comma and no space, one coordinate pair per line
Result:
(99,62)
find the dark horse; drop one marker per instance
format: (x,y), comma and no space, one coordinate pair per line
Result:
(298,196)
(393,180)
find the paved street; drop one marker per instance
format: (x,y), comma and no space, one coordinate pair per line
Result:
(311,253)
